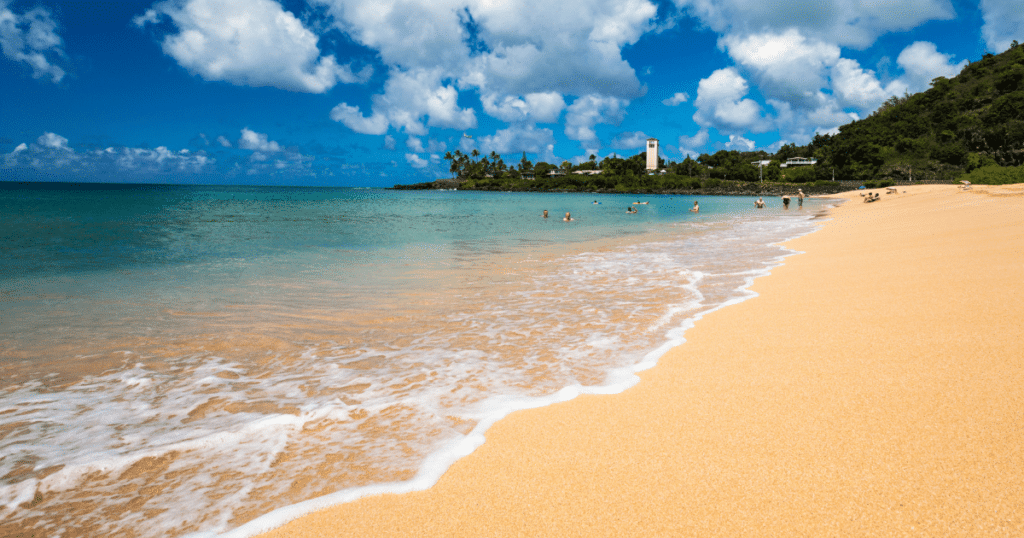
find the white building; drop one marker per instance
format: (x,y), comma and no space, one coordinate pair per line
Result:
(652,153)
(798,161)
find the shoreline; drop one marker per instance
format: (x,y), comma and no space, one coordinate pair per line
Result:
(847,427)
(721,188)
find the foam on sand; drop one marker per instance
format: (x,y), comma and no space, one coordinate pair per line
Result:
(872,388)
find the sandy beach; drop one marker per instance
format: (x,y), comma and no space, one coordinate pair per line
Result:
(875,387)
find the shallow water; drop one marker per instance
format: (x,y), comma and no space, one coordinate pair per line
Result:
(180,360)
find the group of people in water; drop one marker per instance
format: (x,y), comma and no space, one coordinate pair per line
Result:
(758,204)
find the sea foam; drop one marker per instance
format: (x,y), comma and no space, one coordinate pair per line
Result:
(316,391)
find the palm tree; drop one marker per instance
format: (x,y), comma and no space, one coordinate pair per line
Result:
(449,157)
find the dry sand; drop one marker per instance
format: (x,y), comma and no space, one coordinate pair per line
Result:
(874,388)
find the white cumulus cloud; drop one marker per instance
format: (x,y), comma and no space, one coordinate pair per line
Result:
(809,85)
(411,101)
(571,47)
(53,141)
(257,142)
(785,66)
(677,99)
(737,142)
(416,161)
(801,125)
(588,111)
(31,38)
(542,107)
(690,145)
(525,58)
(922,62)
(1004,23)
(843,22)
(519,138)
(721,103)
(630,140)
(376,124)
(248,43)
(416,145)
(51,154)
(861,88)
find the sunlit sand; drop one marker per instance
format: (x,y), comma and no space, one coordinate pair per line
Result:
(874,388)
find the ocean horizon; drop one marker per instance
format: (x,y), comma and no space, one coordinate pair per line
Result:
(210,360)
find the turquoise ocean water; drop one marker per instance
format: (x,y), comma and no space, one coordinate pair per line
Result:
(204,361)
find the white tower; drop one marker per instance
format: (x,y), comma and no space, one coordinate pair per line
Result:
(652,153)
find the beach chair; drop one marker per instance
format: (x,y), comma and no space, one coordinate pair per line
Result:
(966,185)
(891,190)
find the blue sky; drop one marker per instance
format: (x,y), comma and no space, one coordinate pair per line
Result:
(373,92)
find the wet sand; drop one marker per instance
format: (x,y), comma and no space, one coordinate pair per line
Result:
(875,387)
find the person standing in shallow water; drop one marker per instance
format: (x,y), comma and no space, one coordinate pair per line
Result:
(799,197)
(785,201)
(545,213)
(568,217)
(695,208)
(759,204)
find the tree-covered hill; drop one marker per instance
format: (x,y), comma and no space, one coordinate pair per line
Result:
(972,123)
(958,125)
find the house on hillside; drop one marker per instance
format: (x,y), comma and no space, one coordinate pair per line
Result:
(798,161)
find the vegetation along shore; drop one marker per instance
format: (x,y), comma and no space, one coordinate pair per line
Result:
(968,128)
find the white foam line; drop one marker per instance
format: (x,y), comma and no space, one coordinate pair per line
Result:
(438,462)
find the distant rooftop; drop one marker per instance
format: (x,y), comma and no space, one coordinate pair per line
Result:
(798,161)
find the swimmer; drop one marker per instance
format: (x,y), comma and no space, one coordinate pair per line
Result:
(800,197)
(568,217)
(545,213)
(759,204)
(695,208)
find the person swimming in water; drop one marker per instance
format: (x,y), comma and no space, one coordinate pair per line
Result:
(759,204)
(545,213)
(568,217)
(695,208)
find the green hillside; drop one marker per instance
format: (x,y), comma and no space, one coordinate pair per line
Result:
(971,124)
(961,124)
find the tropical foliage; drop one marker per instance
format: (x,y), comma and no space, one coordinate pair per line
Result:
(971,124)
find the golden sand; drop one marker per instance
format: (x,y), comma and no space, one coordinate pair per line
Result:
(874,388)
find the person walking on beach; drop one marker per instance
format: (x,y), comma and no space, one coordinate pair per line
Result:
(799,197)
(785,201)
(568,217)
(759,204)
(545,213)
(695,208)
